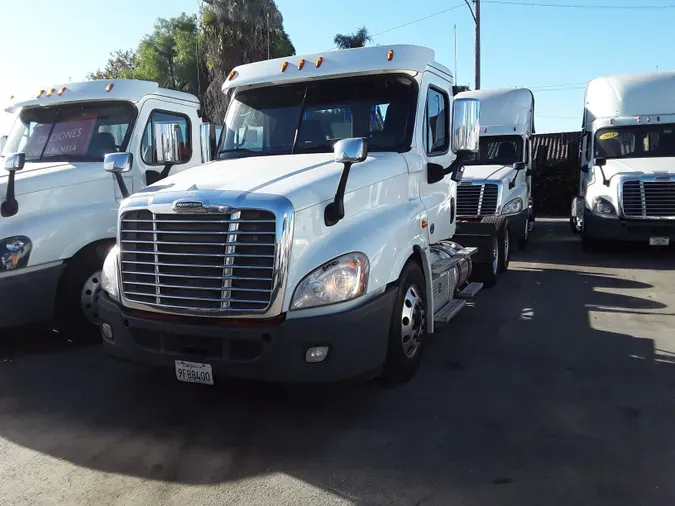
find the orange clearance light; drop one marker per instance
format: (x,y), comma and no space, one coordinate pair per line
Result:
(40,93)
(61,91)
(284,66)
(50,92)
(649,119)
(301,64)
(109,87)
(12,97)
(485,130)
(319,61)
(638,119)
(390,54)
(232,75)
(425,223)
(658,118)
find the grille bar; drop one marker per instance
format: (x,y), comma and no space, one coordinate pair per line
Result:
(199,263)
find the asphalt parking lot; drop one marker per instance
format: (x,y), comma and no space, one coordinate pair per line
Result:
(556,388)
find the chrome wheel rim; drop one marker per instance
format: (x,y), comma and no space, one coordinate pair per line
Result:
(527,229)
(412,321)
(89,297)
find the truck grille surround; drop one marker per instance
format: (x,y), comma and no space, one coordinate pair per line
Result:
(213,264)
(477,199)
(648,199)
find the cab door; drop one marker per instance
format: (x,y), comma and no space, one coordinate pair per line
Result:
(143,146)
(434,130)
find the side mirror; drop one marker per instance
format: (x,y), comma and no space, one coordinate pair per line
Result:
(208,136)
(350,151)
(167,144)
(519,166)
(118,164)
(465,125)
(3,143)
(15,161)
(600,162)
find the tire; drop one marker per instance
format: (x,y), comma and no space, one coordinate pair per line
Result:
(504,248)
(524,240)
(573,225)
(487,273)
(589,244)
(76,307)
(407,330)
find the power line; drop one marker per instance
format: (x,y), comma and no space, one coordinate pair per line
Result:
(579,6)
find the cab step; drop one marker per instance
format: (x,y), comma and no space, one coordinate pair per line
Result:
(448,312)
(470,290)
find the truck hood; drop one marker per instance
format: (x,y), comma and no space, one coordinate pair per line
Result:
(486,172)
(305,179)
(35,177)
(639,167)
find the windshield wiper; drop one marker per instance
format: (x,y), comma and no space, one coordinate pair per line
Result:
(235,150)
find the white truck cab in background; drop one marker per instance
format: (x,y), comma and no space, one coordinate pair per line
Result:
(58,207)
(494,198)
(315,248)
(627,178)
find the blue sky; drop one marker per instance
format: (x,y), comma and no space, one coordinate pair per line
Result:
(554,51)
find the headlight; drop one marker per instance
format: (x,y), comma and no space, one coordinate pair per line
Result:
(603,207)
(513,206)
(343,278)
(14,253)
(109,282)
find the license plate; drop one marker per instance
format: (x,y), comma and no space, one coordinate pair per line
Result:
(659,241)
(194,372)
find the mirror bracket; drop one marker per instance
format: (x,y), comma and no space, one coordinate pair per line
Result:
(347,152)
(13,162)
(518,166)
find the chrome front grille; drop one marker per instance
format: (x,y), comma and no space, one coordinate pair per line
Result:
(199,263)
(477,200)
(648,199)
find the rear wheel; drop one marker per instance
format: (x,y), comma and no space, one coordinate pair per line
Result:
(408,327)
(522,243)
(487,273)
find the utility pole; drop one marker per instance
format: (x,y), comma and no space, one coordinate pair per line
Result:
(268,35)
(475,12)
(477,19)
(456,79)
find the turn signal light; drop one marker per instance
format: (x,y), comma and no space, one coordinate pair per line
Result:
(425,223)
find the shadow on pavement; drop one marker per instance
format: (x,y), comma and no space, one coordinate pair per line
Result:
(547,391)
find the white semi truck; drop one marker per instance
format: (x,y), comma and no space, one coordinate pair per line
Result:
(494,198)
(59,208)
(316,246)
(627,178)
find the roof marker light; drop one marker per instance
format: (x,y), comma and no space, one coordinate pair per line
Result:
(485,130)
(301,64)
(50,92)
(658,118)
(232,75)
(284,66)
(109,87)
(62,91)
(12,97)
(40,93)
(319,61)
(390,54)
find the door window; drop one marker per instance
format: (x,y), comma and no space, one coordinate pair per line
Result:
(437,120)
(148,151)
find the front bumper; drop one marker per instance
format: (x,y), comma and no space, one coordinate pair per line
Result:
(256,350)
(27,297)
(627,230)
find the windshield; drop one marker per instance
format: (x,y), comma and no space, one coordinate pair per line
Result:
(264,121)
(498,150)
(635,141)
(72,132)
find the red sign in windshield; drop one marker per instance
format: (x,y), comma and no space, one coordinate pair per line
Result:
(70,137)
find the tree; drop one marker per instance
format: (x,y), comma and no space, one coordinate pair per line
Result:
(121,65)
(173,55)
(236,32)
(356,39)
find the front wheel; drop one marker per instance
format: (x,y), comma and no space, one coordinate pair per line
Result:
(487,273)
(522,242)
(408,327)
(504,249)
(77,299)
